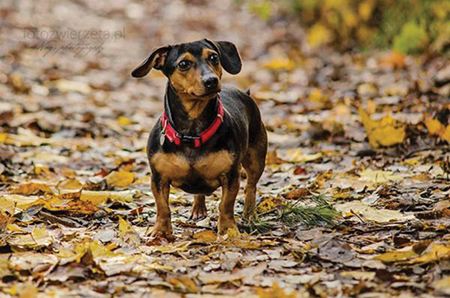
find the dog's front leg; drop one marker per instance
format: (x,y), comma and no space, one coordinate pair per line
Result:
(160,189)
(230,189)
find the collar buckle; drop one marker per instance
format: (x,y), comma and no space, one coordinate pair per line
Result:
(190,140)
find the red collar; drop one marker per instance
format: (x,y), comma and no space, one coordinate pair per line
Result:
(173,136)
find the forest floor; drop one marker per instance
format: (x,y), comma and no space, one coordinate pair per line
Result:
(354,201)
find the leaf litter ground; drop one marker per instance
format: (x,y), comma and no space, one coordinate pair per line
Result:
(354,200)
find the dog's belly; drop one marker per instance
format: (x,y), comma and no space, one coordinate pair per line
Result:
(199,176)
(197,185)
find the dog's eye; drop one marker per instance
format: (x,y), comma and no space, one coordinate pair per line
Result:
(213,58)
(184,65)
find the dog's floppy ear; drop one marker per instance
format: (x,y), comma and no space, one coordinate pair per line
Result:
(228,54)
(156,60)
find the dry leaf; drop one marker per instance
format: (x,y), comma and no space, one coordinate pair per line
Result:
(120,179)
(370,213)
(384,132)
(207,236)
(378,176)
(127,232)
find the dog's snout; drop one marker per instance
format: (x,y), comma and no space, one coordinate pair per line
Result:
(211,82)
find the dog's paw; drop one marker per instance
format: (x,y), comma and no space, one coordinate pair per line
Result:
(163,230)
(227,226)
(228,234)
(198,211)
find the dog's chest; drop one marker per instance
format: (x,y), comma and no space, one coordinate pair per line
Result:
(181,170)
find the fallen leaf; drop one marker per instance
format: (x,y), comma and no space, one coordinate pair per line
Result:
(378,176)
(384,132)
(120,179)
(32,188)
(280,64)
(396,256)
(370,213)
(184,284)
(274,292)
(435,127)
(127,232)
(434,252)
(38,238)
(207,236)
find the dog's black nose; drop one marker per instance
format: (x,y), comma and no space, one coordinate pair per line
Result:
(211,83)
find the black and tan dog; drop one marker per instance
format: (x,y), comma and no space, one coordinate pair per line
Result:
(205,133)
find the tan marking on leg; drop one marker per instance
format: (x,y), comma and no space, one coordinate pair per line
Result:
(214,164)
(230,190)
(170,165)
(198,207)
(254,163)
(163,225)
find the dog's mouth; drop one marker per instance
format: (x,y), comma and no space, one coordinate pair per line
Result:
(208,94)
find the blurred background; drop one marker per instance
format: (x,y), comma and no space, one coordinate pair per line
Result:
(65,65)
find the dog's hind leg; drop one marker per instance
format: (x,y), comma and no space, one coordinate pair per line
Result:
(198,207)
(230,189)
(254,163)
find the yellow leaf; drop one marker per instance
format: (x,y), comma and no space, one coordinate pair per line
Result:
(7,206)
(232,233)
(280,64)
(100,251)
(3,137)
(120,179)
(205,236)
(268,204)
(318,35)
(100,197)
(365,9)
(434,126)
(16,228)
(36,239)
(384,132)
(370,213)
(70,184)
(127,232)
(378,176)
(435,252)
(122,120)
(21,202)
(274,292)
(40,236)
(296,155)
(446,134)
(317,96)
(32,188)
(395,256)
(184,283)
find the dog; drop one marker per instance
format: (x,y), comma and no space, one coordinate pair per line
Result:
(207,131)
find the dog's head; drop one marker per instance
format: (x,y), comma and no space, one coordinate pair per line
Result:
(194,69)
